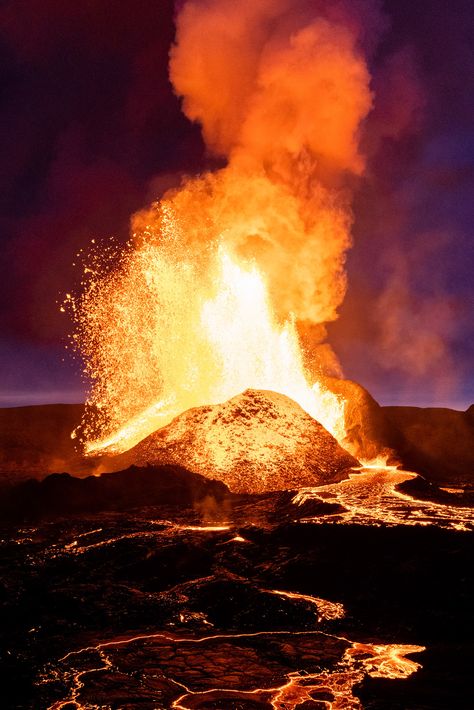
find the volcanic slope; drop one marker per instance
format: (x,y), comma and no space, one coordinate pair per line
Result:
(255,442)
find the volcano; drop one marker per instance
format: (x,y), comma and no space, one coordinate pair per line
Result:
(255,442)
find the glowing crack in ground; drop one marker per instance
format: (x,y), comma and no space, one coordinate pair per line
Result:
(334,686)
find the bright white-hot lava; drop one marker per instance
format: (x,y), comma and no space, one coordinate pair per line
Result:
(172,338)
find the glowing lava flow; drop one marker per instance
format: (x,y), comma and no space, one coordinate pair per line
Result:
(188,666)
(278,670)
(326,610)
(333,686)
(370,497)
(205,528)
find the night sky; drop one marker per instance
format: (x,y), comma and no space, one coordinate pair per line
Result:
(90,132)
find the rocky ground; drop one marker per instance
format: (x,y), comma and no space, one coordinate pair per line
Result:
(234,602)
(158,587)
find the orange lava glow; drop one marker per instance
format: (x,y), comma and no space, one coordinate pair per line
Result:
(229,280)
(359,660)
(371,497)
(325,609)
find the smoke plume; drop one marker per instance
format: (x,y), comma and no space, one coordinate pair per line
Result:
(280,89)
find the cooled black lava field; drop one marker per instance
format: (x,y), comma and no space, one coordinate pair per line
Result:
(217,600)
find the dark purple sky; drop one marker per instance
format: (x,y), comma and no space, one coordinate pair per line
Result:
(90,132)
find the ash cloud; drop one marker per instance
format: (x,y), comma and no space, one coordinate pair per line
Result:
(281,91)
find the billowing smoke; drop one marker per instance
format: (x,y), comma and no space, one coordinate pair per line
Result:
(280,89)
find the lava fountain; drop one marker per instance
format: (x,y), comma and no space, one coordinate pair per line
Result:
(228,281)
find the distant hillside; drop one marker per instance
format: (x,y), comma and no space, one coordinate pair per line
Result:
(36,440)
(438,443)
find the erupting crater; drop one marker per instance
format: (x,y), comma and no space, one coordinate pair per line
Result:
(255,442)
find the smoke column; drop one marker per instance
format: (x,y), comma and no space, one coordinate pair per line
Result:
(280,89)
